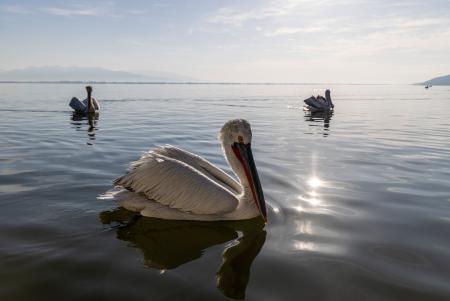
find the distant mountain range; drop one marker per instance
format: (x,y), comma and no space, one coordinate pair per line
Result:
(87,74)
(438,81)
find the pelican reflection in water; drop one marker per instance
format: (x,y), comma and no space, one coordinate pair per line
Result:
(318,117)
(167,244)
(78,120)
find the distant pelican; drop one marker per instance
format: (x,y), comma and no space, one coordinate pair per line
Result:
(319,104)
(89,105)
(171,183)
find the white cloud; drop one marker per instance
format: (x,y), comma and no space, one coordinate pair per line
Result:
(273,9)
(105,8)
(294,30)
(15,9)
(60,11)
(229,16)
(407,22)
(236,17)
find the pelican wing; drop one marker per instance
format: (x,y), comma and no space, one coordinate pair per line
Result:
(175,184)
(94,101)
(202,165)
(77,105)
(313,102)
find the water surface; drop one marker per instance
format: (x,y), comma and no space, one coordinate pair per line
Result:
(359,201)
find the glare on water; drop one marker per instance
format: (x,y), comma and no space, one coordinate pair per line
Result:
(315,182)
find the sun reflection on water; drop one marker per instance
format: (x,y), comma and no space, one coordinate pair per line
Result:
(310,203)
(315,182)
(299,208)
(313,194)
(304,246)
(313,201)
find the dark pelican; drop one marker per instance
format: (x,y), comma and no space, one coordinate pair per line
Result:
(319,104)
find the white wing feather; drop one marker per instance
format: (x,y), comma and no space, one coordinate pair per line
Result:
(202,165)
(177,185)
(139,203)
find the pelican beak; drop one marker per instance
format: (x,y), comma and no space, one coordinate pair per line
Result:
(244,154)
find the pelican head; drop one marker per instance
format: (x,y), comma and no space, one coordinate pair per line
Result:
(236,138)
(91,108)
(328,98)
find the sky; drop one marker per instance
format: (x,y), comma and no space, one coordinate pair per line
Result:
(326,41)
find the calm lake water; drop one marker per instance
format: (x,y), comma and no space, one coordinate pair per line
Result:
(359,201)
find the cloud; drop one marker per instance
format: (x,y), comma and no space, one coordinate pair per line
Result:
(294,30)
(342,29)
(232,17)
(273,10)
(409,22)
(236,17)
(59,11)
(355,28)
(15,9)
(107,9)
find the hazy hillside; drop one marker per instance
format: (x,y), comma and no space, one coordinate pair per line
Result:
(438,81)
(57,73)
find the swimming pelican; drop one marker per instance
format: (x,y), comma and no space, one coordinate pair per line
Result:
(89,105)
(171,183)
(319,104)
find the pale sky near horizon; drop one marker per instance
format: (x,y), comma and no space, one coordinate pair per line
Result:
(340,41)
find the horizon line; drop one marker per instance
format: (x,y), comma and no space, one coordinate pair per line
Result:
(196,83)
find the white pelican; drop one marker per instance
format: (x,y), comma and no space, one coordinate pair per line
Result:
(319,104)
(171,183)
(89,105)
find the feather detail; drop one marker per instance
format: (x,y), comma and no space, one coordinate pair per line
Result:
(176,184)
(202,165)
